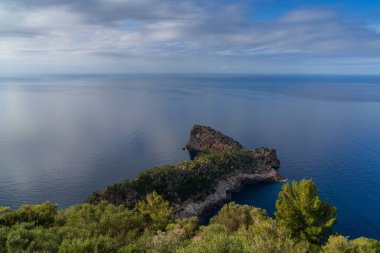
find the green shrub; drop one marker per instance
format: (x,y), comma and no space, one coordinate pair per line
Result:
(157,209)
(101,244)
(341,244)
(366,245)
(219,242)
(86,221)
(233,216)
(3,238)
(40,215)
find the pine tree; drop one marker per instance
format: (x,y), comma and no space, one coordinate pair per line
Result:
(157,209)
(301,210)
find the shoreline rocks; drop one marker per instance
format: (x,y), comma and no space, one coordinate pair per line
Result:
(233,182)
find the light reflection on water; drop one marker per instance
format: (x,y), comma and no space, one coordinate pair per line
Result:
(63,137)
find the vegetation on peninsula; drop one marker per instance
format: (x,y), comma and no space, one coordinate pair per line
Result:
(180,182)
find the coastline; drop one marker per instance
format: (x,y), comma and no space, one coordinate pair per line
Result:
(200,186)
(233,182)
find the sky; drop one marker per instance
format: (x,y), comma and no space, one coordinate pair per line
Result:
(189,36)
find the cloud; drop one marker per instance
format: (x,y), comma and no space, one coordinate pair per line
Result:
(112,11)
(58,31)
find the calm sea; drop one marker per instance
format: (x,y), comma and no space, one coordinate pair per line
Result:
(63,137)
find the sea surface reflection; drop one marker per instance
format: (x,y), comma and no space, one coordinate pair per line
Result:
(63,137)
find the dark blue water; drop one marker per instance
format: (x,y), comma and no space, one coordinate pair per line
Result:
(62,137)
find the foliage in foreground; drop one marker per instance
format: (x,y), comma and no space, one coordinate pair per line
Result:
(150,227)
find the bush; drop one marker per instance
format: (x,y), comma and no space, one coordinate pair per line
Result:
(220,242)
(233,216)
(158,210)
(40,215)
(366,245)
(3,238)
(86,220)
(101,244)
(340,244)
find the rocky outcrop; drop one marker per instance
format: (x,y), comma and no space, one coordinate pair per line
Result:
(206,139)
(266,156)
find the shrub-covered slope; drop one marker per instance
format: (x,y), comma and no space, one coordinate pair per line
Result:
(198,186)
(189,181)
(149,227)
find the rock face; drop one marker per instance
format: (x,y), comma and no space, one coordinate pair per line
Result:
(266,156)
(206,139)
(234,182)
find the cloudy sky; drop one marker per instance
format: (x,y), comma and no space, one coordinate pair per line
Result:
(176,36)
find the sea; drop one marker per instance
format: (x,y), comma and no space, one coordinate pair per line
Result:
(63,137)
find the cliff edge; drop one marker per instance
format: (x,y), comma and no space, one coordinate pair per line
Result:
(206,139)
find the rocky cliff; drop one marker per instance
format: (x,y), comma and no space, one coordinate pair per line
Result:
(206,139)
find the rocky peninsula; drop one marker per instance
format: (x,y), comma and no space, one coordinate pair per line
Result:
(197,187)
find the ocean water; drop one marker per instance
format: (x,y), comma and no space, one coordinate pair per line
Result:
(63,137)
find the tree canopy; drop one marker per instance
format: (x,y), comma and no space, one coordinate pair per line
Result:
(300,209)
